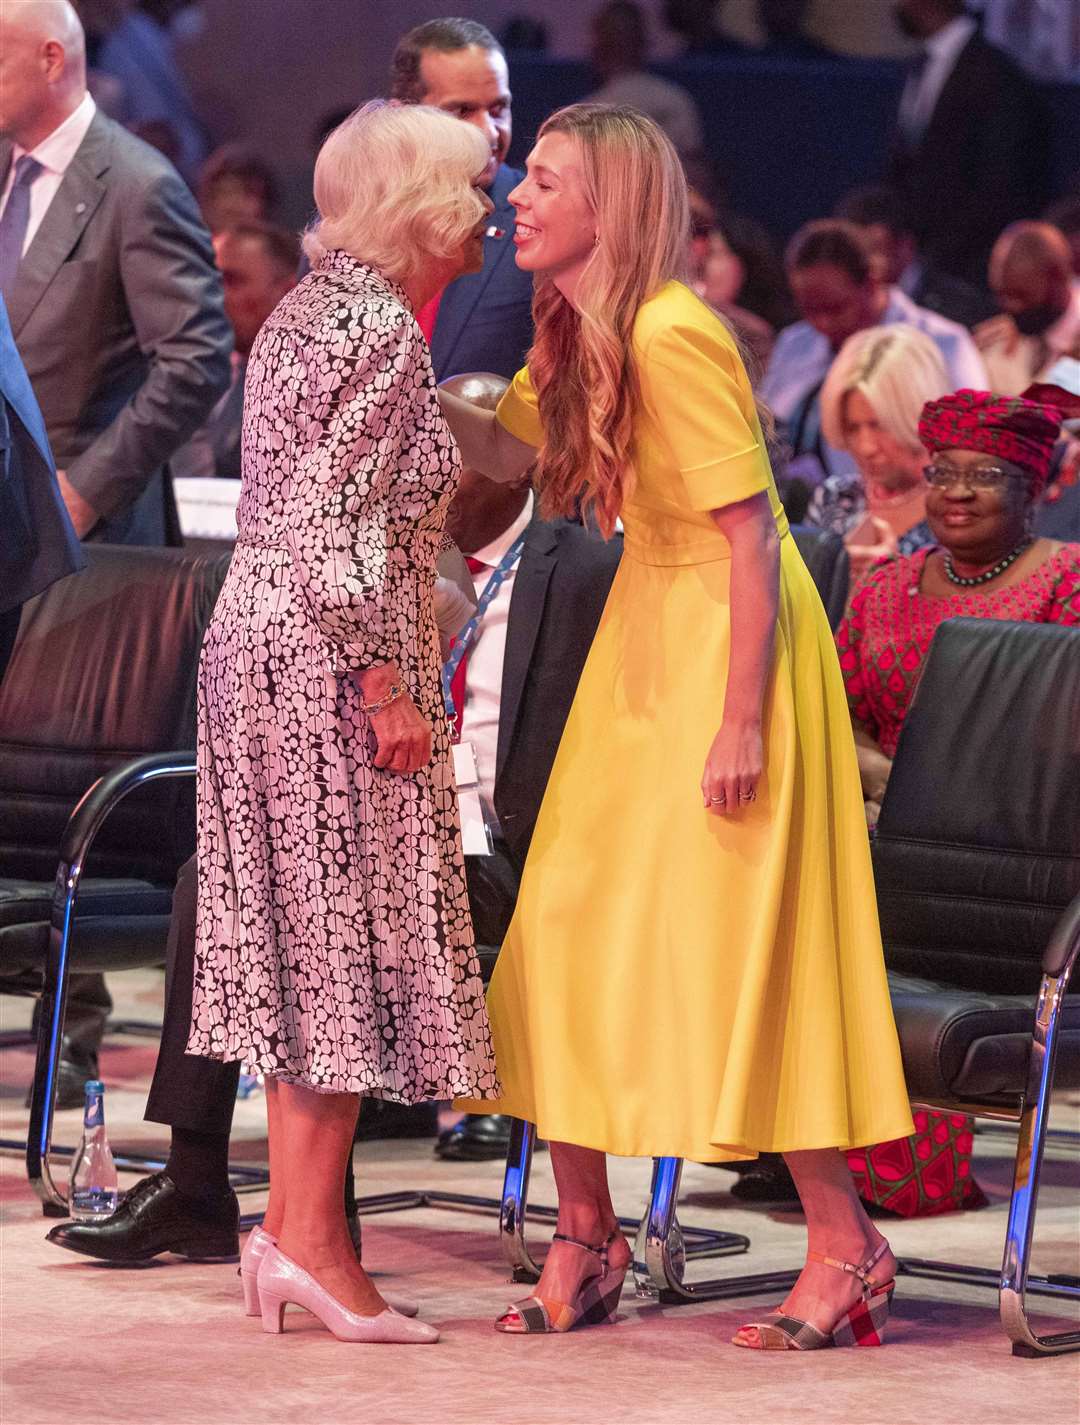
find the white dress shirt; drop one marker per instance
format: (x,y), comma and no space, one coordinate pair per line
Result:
(484,670)
(922,91)
(54,154)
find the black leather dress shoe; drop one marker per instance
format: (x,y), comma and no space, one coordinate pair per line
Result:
(769,1181)
(154,1217)
(476,1138)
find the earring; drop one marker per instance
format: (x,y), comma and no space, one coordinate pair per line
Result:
(596,240)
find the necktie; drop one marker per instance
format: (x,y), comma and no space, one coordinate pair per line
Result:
(14,221)
(457,684)
(912,119)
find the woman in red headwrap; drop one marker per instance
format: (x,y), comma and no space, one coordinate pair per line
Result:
(989,461)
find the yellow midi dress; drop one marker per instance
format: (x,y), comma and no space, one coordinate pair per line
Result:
(675,983)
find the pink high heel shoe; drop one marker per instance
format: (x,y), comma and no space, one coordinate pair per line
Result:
(255,1249)
(282,1280)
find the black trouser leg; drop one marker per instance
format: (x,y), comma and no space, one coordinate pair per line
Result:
(85,1015)
(188,1092)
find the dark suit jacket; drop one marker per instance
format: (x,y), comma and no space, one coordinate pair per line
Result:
(118,315)
(559,593)
(982,162)
(485,319)
(37,543)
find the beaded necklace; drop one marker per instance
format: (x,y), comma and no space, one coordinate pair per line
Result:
(971,581)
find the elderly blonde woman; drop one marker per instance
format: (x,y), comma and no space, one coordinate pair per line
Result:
(870,405)
(335,952)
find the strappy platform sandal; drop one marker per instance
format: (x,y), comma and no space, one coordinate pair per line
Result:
(863,1325)
(596,1303)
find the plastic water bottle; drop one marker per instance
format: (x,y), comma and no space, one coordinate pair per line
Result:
(93,1190)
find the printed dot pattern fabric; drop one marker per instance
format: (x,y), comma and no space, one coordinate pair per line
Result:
(334,945)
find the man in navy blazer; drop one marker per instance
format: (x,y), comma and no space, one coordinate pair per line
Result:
(38,544)
(482,322)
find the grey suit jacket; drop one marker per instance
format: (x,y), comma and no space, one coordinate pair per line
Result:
(117,312)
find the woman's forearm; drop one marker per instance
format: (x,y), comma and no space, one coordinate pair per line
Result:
(486,446)
(755,592)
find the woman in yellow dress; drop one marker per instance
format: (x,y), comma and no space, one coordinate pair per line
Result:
(694,967)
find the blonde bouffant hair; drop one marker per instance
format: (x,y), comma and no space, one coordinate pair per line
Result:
(395,185)
(897,368)
(581,364)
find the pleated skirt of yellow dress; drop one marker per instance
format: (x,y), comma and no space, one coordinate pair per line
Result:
(679,984)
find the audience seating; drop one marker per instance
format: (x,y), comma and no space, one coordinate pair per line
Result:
(99,694)
(977,865)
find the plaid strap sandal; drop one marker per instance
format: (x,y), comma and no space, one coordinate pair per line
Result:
(863,1325)
(596,1302)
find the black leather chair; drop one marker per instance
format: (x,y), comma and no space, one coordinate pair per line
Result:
(977,864)
(99,695)
(827,559)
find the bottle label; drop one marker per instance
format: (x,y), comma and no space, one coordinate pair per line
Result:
(94,1114)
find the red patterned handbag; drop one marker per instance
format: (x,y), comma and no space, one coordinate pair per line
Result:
(924,1175)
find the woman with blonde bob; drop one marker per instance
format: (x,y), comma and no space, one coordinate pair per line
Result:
(870,405)
(694,967)
(334,948)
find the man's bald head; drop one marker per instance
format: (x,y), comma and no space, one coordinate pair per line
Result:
(479,388)
(1031,275)
(1032,245)
(482,510)
(42,68)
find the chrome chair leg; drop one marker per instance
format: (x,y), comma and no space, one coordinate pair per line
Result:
(1029,1155)
(663,1249)
(515,1200)
(660,1253)
(83,826)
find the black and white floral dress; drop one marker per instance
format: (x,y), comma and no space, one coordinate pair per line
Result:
(334,945)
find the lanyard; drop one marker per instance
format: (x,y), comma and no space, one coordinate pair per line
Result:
(466,637)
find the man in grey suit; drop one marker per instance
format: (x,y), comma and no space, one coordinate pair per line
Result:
(110,283)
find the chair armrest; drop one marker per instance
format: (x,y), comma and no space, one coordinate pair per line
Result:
(103,796)
(1061,952)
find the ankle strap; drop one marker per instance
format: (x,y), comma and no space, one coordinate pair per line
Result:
(585,1246)
(862,1272)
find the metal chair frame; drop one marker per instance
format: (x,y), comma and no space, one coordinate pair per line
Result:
(657,1258)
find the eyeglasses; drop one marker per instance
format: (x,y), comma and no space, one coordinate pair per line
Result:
(979,477)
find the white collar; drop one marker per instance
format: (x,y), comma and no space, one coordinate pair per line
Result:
(946,45)
(57,150)
(492,553)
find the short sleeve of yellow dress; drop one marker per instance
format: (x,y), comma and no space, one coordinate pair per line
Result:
(675,983)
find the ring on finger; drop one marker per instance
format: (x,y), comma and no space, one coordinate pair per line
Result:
(718,801)
(749,796)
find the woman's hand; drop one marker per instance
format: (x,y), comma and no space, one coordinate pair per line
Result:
(733,768)
(874,766)
(863,555)
(402,733)
(402,736)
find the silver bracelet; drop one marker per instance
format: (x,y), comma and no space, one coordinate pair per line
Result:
(395,691)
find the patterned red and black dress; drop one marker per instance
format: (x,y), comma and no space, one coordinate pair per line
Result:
(886,633)
(883,641)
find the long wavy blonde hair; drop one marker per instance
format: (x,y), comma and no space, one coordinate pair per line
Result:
(636,188)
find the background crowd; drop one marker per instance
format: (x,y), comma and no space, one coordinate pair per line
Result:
(141,251)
